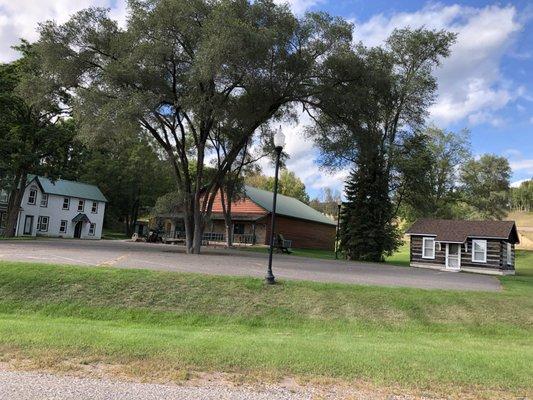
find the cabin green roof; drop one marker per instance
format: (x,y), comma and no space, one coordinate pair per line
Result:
(287,206)
(63,187)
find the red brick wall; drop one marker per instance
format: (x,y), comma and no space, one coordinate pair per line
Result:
(304,234)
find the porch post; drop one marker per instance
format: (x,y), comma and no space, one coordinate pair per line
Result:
(253,232)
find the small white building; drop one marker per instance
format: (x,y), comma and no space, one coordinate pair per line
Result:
(61,208)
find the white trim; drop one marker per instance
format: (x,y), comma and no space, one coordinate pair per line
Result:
(424,239)
(479,242)
(458,255)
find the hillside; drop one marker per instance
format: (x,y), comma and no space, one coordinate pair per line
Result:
(524,222)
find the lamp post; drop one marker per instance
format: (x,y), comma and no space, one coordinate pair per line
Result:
(279,142)
(339,204)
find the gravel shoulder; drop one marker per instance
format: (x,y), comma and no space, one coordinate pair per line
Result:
(19,385)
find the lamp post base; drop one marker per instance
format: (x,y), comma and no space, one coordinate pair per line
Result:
(270,280)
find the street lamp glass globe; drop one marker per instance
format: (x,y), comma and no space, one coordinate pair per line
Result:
(279,138)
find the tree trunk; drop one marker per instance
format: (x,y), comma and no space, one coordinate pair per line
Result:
(226,211)
(198,230)
(15,199)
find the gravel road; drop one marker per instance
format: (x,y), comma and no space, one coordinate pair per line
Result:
(234,262)
(15,385)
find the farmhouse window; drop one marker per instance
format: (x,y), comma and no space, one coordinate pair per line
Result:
(44,200)
(63,226)
(94,208)
(32,196)
(42,224)
(92,228)
(66,203)
(479,251)
(81,205)
(428,248)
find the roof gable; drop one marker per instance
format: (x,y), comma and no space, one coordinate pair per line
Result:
(287,206)
(447,230)
(62,187)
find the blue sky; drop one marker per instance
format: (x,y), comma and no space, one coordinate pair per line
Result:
(485,86)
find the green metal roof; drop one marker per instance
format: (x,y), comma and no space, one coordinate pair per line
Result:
(287,206)
(62,187)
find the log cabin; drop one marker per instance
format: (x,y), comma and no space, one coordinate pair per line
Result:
(486,247)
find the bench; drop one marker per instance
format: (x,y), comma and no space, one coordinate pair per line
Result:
(281,245)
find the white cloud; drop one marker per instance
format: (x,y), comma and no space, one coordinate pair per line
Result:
(522,165)
(518,183)
(471,85)
(300,6)
(19,19)
(302,160)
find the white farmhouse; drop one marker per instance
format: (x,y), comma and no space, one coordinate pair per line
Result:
(61,209)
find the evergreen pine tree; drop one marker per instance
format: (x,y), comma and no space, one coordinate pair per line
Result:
(367,229)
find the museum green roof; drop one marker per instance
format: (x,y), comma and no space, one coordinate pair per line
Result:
(287,206)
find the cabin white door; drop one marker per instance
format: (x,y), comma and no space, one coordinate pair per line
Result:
(453,256)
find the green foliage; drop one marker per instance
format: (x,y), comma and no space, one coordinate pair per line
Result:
(288,184)
(182,70)
(130,173)
(33,135)
(369,102)
(485,186)
(366,231)
(328,202)
(521,198)
(429,174)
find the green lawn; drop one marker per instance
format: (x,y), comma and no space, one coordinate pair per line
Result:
(157,324)
(401,257)
(113,235)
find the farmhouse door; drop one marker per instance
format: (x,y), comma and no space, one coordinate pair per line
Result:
(77,229)
(453,256)
(28,225)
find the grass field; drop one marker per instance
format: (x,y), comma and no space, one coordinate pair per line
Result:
(401,257)
(156,325)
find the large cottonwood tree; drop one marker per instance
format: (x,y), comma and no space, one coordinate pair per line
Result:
(180,68)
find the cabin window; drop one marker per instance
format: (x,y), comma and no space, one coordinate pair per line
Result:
(32,196)
(94,208)
(44,200)
(479,251)
(63,226)
(81,205)
(66,203)
(509,254)
(42,224)
(92,228)
(428,248)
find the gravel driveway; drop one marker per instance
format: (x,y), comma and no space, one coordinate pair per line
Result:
(16,385)
(162,257)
